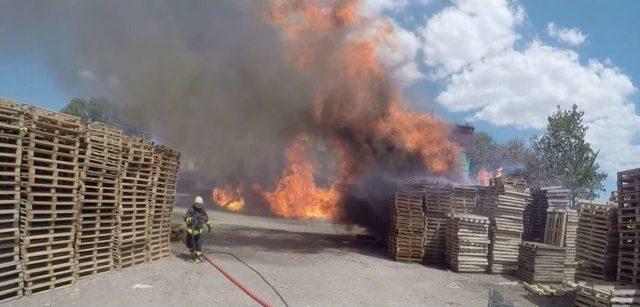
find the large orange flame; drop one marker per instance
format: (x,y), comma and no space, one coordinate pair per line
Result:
(357,109)
(228,198)
(297,195)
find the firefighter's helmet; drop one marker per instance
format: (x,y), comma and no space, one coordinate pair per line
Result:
(198,202)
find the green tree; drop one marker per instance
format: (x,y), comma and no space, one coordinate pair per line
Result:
(562,156)
(77,107)
(101,110)
(490,155)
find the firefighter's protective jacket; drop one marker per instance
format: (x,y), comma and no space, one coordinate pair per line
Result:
(196,219)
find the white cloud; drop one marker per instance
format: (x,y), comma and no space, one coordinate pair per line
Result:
(399,54)
(469,31)
(573,36)
(521,88)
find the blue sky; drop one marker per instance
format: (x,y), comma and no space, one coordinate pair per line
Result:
(455,67)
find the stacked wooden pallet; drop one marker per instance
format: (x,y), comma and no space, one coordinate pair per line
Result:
(506,229)
(48,208)
(606,295)
(464,199)
(561,230)
(132,219)
(485,198)
(163,196)
(100,148)
(407,229)
(438,198)
(11,119)
(628,221)
(541,263)
(467,242)
(535,216)
(597,242)
(557,197)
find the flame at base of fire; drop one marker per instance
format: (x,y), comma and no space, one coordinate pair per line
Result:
(228,198)
(297,195)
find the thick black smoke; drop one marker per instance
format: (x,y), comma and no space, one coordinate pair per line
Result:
(206,77)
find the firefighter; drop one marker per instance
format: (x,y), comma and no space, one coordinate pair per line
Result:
(196,218)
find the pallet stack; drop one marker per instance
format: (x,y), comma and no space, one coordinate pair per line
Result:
(464,199)
(506,229)
(606,295)
(557,197)
(163,196)
(628,221)
(407,230)
(467,242)
(48,208)
(561,230)
(541,263)
(132,219)
(438,204)
(100,148)
(485,198)
(535,216)
(597,242)
(11,119)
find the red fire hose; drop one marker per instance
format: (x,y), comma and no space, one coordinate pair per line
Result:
(237,283)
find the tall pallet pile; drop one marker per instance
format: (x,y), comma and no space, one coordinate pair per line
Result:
(541,263)
(597,242)
(605,295)
(535,216)
(485,198)
(407,227)
(628,221)
(48,209)
(11,120)
(163,196)
(132,219)
(100,154)
(438,205)
(464,199)
(506,229)
(561,230)
(467,242)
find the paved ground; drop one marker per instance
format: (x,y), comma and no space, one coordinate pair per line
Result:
(310,264)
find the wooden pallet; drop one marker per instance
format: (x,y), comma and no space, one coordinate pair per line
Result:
(541,263)
(407,226)
(506,216)
(467,242)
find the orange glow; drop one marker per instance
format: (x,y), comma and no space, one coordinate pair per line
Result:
(358,110)
(484,176)
(297,195)
(228,198)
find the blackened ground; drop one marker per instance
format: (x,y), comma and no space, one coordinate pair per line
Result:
(311,264)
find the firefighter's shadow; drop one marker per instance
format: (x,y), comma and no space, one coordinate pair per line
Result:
(185,256)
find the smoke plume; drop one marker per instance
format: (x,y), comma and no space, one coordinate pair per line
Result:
(249,90)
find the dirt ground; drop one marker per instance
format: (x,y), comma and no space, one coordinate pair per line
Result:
(310,264)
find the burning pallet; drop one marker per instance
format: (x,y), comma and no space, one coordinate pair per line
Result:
(467,242)
(506,229)
(628,219)
(100,149)
(11,119)
(407,227)
(541,263)
(163,197)
(48,209)
(135,181)
(597,242)
(561,230)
